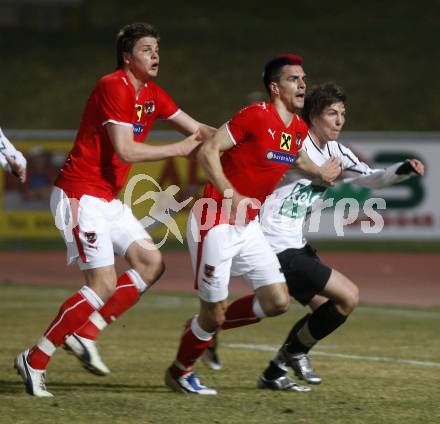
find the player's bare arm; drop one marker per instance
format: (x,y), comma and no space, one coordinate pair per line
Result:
(129,151)
(328,172)
(209,158)
(187,125)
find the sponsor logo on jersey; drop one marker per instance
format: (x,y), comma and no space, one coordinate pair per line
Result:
(300,199)
(286,141)
(137,129)
(280,157)
(149,107)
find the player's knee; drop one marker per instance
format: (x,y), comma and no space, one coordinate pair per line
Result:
(351,300)
(277,305)
(354,298)
(274,299)
(281,306)
(103,285)
(152,269)
(102,281)
(158,270)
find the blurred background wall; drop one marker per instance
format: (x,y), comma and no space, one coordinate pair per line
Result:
(384,53)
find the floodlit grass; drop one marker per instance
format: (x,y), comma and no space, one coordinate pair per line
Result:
(360,389)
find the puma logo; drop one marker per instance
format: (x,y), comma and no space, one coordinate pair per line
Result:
(272,133)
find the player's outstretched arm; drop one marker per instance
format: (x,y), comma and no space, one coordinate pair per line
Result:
(130,151)
(360,173)
(11,159)
(328,172)
(187,125)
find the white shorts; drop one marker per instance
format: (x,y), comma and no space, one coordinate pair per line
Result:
(229,250)
(104,228)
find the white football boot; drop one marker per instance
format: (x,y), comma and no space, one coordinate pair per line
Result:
(188,383)
(87,353)
(34,380)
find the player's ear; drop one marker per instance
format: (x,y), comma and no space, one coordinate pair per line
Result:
(126,57)
(274,89)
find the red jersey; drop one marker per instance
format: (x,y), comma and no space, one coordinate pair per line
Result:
(264,149)
(93,167)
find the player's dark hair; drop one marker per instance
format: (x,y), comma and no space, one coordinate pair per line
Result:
(319,97)
(272,69)
(127,37)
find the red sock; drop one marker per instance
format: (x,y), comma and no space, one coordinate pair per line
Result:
(240,313)
(125,296)
(72,314)
(190,349)
(37,359)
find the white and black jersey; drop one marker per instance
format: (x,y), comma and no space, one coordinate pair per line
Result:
(285,211)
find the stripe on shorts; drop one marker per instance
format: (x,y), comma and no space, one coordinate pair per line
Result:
(82,254)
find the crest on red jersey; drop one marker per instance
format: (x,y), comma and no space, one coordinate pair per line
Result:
(149,107)
(91,237)
(298,140)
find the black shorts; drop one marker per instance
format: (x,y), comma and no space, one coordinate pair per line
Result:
(305,274)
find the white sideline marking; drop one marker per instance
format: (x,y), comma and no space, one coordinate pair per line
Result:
(269,348)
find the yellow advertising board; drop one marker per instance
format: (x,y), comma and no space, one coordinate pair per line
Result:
(24,209)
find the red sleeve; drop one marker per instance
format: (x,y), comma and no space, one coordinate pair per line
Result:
(115,101)
(242,124)
(166,107)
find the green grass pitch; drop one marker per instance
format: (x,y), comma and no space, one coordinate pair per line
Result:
(382,367)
